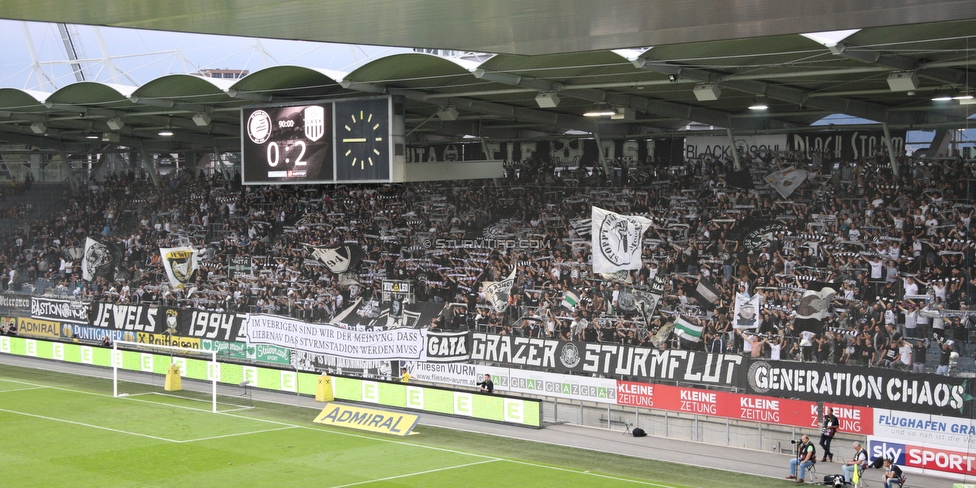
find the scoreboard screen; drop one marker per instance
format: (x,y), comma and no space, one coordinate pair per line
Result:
(332,141)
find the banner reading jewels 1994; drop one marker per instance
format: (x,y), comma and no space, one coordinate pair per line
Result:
(609,359)
(402,344)
(875,387)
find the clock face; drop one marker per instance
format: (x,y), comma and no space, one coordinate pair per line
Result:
(363,140)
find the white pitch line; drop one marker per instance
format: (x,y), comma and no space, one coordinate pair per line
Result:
(378,439)
(23,389)
(237,435)
(88,425)
(419,473)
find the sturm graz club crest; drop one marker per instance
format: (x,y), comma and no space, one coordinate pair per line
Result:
(570,355)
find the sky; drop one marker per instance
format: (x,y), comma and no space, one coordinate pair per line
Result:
(144,55)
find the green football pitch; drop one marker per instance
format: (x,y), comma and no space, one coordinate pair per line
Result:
(67,430)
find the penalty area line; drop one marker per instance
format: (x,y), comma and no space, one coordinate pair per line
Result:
(236,435)
(418,473)
(91,426)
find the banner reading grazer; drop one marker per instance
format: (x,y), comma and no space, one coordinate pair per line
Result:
(403,344)
(609,359)
(56,309)
(875,387)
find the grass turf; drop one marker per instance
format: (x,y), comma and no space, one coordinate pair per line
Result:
(61,430)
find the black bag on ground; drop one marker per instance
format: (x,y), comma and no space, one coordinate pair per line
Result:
(832,480)
(639,432)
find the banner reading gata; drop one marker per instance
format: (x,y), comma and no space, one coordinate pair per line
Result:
(875,387)
(610,359)
(202,324)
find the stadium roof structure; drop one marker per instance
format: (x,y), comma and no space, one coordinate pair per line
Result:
(532,69)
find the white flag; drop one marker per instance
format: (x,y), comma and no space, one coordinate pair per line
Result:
(180,264)
(746,312)
(617,240)
(787,180)
(498,292)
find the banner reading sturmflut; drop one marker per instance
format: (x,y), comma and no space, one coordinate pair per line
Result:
(401,344)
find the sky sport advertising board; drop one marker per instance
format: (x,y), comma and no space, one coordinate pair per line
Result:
(914,457)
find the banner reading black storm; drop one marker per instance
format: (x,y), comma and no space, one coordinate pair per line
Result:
(875,387)
(609,359)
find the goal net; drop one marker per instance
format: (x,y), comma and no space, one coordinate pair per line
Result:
(178,374)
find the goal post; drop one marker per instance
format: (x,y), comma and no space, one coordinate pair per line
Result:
(139,368)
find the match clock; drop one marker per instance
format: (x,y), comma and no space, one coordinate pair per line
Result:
(362,140)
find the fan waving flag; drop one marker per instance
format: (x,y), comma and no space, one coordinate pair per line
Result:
(747,312)
(570,300)
(706,295)
(787,180)
(339,259)
(498,292)
(180,263)
(813,306)
(617,240)
(99,259)
(687,331)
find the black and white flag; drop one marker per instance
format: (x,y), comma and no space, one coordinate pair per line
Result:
(813,306)
(498,292)
(338,259)
(98,260)
(646,303)
(616,240)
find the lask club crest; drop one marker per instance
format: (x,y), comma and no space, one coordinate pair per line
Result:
(314,123)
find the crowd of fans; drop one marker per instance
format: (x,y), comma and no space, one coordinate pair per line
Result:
(898,247)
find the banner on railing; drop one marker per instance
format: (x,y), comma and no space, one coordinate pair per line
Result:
(609,359)
(58,309)
(875,387)
(403,344)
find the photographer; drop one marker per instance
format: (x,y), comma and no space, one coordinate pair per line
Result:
(857,464)
(830,425)
(892,474)
(806,456)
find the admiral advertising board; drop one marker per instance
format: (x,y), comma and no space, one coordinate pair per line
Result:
(496,408)
(320,142)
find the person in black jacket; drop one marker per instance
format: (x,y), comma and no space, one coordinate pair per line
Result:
(487,386)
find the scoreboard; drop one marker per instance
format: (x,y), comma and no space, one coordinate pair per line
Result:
(329,141)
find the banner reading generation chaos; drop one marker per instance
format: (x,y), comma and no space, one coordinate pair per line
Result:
(875,387)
